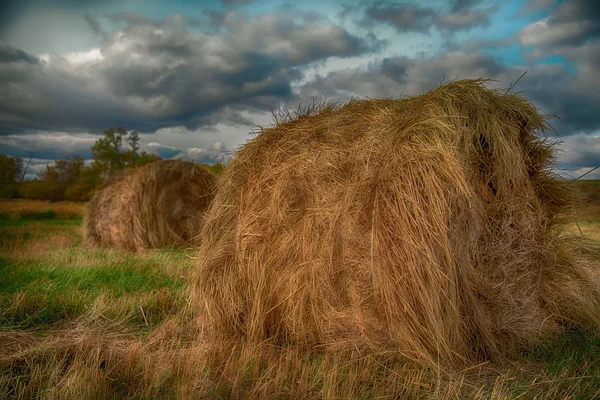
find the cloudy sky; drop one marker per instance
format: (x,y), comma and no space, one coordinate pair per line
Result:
(194,77)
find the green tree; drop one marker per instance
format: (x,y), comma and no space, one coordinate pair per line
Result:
(55,179)
(65,171)
(41,190)
(111,156)
(108,153)
(11,169)
(83,189)
(133,140)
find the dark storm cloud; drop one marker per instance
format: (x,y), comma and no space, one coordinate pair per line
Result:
(51,95)
(10,54)
(464,19)
(572,31)
(409,17)
(151,74)
(574,99)
(580,151)
(9,10)
(395,76)
(479,44)
(94,25)
(464,5)
(403,17)
(587,55)
(233,3)
(536,5)
(133,18)
(291,42)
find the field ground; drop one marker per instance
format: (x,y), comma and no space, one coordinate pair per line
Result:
(89,323)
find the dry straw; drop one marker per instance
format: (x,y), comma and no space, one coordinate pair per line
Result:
(157,205)
(429,227)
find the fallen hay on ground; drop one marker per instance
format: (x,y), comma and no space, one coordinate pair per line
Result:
(157,205)
(428,227)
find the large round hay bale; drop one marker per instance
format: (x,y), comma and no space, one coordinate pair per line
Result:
(157,205)
(428,226)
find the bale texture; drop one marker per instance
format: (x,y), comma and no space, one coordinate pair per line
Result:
(428,226)
(157,205)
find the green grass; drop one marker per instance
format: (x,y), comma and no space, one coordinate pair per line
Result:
(34,293)
(120,277)
(46,222)
(47,214)
(567,365)
(43,285)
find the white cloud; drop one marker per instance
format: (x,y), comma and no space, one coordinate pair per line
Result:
(85,57)
(541,33)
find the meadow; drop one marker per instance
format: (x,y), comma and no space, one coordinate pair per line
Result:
(89,323)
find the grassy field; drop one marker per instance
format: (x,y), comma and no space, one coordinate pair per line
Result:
(89,323)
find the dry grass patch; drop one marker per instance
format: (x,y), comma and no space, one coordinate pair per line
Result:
(32,240)
(170,363)
(40,209)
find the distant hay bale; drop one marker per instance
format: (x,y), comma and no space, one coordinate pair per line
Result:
(429,226)
(157,205)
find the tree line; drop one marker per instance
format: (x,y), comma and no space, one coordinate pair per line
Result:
(72,178)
